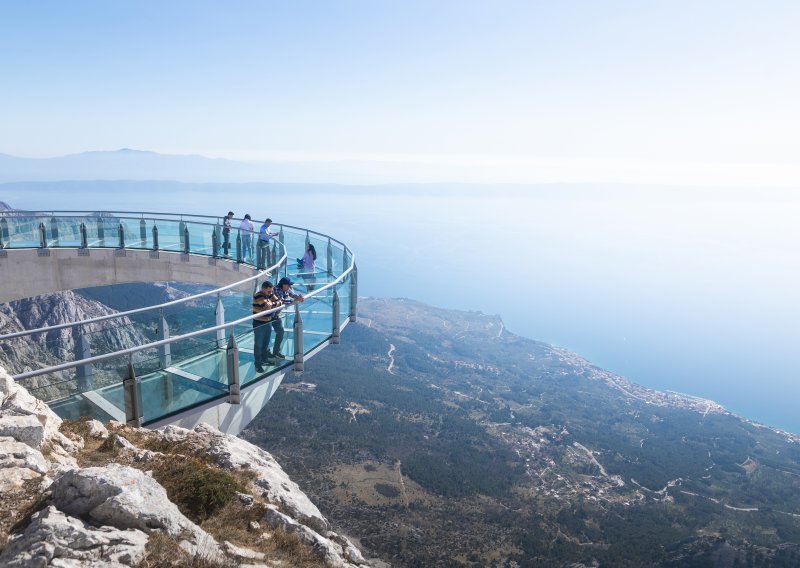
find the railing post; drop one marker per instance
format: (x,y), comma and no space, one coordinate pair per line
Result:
(54,230)
(133,397)
(84,236)
(121,231)
(83,373)
(299,352)
(335,330)
(219,313)
(239,247)
(274,254)
(186,239)
(101,233)
(42,236)
(143,233)
(181,230)
(4,230)
(232,357)
(330,257)
(353,294)
(214,243)
(155,237)
(164,351)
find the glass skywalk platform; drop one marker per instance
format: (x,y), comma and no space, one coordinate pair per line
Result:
(151,363)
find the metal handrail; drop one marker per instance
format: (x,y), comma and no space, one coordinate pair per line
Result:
(179,216)
(132,350)
(171,303)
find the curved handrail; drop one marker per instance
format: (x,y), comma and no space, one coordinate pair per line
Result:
(140,215)
(265,272)
(132,350)
(171,303)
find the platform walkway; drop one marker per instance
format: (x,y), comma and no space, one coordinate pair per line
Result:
(199,365)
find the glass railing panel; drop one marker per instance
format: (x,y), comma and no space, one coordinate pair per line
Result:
(94,391)
(23,232)
(343,290)
(200,239)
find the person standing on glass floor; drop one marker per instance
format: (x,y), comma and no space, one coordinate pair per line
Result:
(226,234)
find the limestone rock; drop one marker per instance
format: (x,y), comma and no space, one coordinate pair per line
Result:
(27,419)
(97,430)
(13,478)
(54,539)
(328,551)
(17,454)
(351,553)
(25,428)
(123,444)
(242,553)
(125,497)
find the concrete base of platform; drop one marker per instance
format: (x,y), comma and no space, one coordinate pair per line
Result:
(26,273)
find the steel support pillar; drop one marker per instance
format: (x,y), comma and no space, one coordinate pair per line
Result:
(353,294)
(219,313)
(232,358)
(299,352)
(335,327)
(83,373)
(164,351)
(133,397)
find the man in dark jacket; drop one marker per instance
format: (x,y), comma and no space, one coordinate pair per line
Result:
(264,300)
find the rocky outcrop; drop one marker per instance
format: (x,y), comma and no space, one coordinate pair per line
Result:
(107,514)
(17,355)
(269,478)
(126,498)
(55,539)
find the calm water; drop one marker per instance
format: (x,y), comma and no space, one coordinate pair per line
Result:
(686,290)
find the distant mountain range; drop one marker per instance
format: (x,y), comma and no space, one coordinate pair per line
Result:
(138,165)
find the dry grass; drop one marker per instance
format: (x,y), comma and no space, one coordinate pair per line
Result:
(232,524)
(162,551)
(16,512)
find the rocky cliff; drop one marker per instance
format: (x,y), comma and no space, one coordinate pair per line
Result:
(54,347)
(84,494)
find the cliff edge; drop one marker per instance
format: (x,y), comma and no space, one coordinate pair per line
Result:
(80,493)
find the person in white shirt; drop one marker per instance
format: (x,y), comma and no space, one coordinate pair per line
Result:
(264,235)
(246,229)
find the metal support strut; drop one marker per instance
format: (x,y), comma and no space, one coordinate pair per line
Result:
(164,351)
(353,294)
(299,352)
(335,327)
(219,313)
(232,358)
(133,397)
(84,236)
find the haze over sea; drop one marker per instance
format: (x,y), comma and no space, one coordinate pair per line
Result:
(691,290)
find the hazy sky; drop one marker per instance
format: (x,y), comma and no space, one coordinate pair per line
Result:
(666,92)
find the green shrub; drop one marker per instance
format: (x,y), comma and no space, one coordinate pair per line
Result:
(198,489)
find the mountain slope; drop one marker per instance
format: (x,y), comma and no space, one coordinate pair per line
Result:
(441,439)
